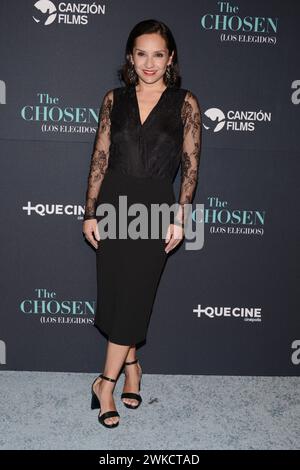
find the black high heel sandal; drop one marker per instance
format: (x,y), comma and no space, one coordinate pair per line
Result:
(95,403)
(134,396)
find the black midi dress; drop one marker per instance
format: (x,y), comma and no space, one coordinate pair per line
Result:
(140,161)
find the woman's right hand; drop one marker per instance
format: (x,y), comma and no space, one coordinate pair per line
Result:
(91,231)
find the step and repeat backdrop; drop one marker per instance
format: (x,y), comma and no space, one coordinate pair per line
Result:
(231,307)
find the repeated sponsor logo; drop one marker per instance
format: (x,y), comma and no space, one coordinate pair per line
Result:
(233,24)
(47,13)
(248,314)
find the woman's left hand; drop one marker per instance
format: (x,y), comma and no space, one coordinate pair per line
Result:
(174,236)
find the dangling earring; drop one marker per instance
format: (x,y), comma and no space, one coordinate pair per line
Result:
(168,73)
(132,73)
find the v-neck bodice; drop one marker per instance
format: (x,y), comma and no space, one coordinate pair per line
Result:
(151,149)
(153,110)
(169,136)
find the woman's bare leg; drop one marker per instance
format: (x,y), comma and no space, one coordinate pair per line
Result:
(132,376)
(131,356)
(115,357)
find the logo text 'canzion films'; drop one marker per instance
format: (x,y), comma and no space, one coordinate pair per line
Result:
(47,13)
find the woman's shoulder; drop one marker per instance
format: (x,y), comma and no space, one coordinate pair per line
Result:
(189,95)
(190,101)
(185,94)
(119,91)
(111,94)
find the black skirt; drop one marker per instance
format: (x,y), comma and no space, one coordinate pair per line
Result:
(129,270)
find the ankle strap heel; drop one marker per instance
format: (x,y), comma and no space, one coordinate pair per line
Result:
(132,395)
(107,378)
(133,362)
(95,403)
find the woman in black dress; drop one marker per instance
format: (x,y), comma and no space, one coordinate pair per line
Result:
(147,128)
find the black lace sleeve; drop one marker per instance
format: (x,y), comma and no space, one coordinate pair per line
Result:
(100,156)
(191,117)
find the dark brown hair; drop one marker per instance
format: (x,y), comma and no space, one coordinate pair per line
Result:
(127,73)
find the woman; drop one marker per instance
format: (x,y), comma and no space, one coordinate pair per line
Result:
(146,129)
